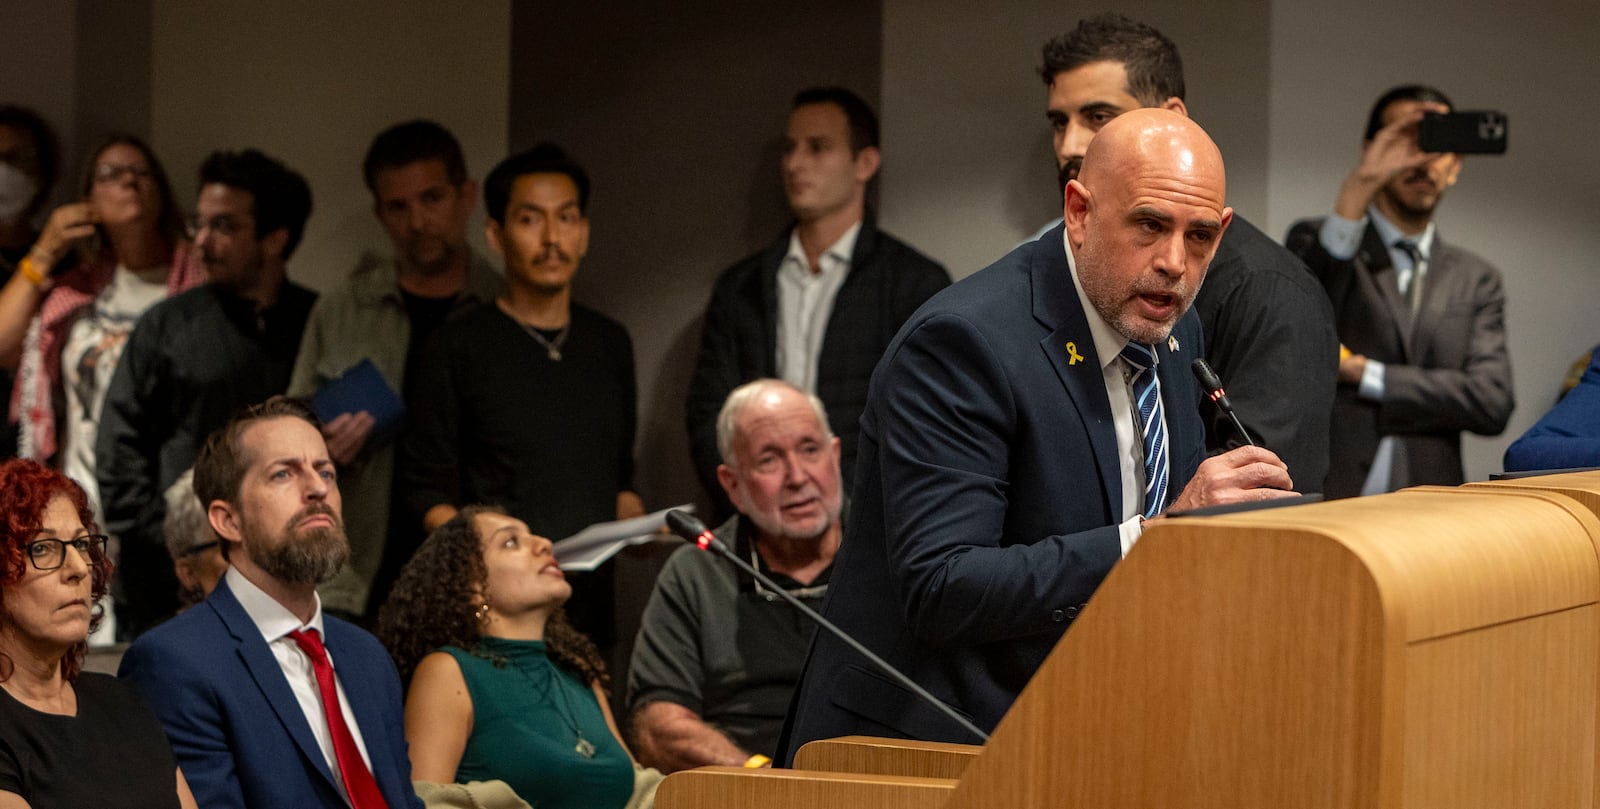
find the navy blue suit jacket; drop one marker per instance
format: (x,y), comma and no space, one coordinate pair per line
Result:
(986,501)
(233,721)
(1567,436)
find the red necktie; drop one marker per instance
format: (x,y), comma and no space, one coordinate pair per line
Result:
(353,770)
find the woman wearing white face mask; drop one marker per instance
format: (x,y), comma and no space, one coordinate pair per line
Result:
(66,312)
(30,157)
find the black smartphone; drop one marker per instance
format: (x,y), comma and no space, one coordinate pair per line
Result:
(1472,132)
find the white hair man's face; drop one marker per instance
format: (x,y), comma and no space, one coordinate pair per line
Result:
(785,474)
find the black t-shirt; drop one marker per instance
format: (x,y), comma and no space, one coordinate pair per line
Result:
(112,755)
(425,314)
(492,418)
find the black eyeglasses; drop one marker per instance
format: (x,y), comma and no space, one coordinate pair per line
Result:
(50,554)
(116,173)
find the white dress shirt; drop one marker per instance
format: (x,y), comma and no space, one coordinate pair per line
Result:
(805,303)
(275,622)
(1117,374)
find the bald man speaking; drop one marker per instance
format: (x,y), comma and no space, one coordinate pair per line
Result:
(1020,431)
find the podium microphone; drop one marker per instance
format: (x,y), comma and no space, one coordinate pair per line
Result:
(688,527)
(1213,387)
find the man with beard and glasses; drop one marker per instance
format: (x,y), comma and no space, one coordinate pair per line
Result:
(1269,329)
(384,313)
(529,401)
(266,700)
(1021,429)
(718,655)
(1421,321)
(196,358)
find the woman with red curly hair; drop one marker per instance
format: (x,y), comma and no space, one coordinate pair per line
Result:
(67,738)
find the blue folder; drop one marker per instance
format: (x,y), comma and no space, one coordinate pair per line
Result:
(361,387)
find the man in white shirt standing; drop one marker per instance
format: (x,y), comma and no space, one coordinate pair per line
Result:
(267,701)
(816,307)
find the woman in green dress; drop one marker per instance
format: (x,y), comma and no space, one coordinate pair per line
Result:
(501,686)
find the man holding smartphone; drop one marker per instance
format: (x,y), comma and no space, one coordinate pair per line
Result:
(1421,323)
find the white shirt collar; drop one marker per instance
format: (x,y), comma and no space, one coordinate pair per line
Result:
(1391,234)
(838,253)
(1108,342)
(272,619)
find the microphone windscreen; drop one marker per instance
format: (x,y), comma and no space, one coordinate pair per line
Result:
(1207,377)
(685,525)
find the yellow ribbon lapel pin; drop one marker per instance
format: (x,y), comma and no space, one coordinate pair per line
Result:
(1073,357)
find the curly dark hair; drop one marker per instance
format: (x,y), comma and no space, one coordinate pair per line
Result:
(434,604)
(26,489)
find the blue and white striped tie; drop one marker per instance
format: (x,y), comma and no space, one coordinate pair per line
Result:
(1147,405)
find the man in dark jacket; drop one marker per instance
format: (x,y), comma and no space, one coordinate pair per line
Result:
(817,307)
(195,359)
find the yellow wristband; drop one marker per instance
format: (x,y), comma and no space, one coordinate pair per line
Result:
(756,762)
(27,269)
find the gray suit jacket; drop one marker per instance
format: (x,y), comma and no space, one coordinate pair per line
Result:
(1446,372)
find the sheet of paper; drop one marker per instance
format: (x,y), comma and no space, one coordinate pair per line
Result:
(591,547)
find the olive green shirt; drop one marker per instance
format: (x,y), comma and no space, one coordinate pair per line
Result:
(365,318)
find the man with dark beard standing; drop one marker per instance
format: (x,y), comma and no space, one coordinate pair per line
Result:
(1269,329)
(1422,322)
(266,700)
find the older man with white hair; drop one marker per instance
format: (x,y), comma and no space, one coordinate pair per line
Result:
(718,655)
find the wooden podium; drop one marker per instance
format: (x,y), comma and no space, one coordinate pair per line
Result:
(1417,649)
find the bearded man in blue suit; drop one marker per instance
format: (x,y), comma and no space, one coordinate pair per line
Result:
(267,701)
(1003,467)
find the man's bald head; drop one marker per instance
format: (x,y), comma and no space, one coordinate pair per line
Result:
(1144,218)
(1154,139)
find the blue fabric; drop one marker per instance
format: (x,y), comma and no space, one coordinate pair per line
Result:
(1567,436)
(234,723)
(1147,406)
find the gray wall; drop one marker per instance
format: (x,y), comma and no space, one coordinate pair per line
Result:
(969,169)
(311,83)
